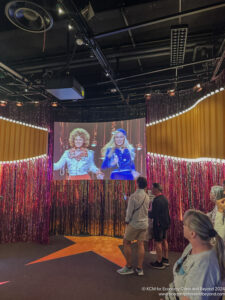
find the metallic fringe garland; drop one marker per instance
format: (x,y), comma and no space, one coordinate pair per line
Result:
(89,207)
(186,185)
(25,201)
(32,206)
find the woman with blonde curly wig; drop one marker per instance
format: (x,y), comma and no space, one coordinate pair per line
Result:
(79,160)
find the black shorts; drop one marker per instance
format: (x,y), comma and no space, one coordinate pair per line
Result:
(159,234)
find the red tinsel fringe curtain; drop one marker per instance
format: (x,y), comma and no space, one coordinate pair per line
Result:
(25,201)
(186,185)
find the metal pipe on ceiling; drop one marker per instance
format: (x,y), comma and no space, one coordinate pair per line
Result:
(12,72)
(167,69)
(87,33)
(18,77)
(87,62)
(147,87)
(161,20)
(131,38)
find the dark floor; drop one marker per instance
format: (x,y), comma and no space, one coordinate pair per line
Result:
(85,276)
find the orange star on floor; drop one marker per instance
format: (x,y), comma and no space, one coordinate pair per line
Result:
(106,247)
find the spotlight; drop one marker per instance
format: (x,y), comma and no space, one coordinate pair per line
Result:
(113,90)
(70,27)
(197,88)
(26,90)
(36,103)
(107,74)
(3,103)
(79,42)
(19,103)
(54,104)
(147,96)
(60,10)
(171,92)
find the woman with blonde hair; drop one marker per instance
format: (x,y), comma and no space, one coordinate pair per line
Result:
(119,154)
(79,160)
(199,273)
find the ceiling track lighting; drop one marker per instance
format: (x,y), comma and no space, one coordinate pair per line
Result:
(186,110)
(178,34)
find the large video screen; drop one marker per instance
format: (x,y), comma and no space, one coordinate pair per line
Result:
(108,150)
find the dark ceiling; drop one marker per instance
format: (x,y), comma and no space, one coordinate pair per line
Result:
(129,40)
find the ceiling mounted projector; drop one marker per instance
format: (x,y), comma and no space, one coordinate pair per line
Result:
(28,16)
(65,89)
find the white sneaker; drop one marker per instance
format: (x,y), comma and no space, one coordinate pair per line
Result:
(139,272)
(125,271)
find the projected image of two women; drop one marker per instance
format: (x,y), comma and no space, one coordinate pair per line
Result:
(108,150)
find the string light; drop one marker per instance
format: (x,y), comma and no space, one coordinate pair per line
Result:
(19,103)
(54,104)
(186,110)
(199,159)
(3,103)
(23,160)
(22,123)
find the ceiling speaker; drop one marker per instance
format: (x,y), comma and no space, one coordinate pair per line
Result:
(28,16)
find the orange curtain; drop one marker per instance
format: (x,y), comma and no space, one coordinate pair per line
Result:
(199,132)
(18,141)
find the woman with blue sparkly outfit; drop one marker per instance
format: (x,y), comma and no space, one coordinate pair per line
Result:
(119,154)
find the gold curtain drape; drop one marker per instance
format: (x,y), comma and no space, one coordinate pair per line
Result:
(19,141)
(199,132)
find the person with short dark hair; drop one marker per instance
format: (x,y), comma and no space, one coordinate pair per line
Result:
(136,228)
(161,223)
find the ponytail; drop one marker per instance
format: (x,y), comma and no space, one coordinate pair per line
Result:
(220,253)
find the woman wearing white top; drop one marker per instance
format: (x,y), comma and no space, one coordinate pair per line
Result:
(200,270)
